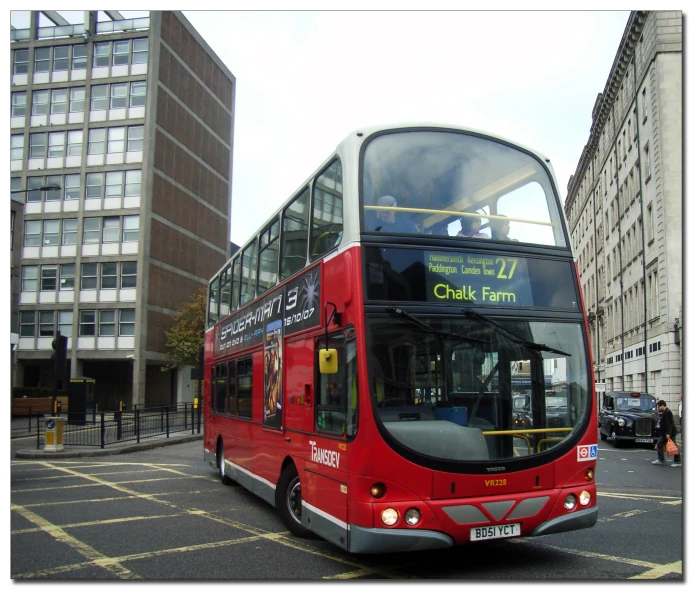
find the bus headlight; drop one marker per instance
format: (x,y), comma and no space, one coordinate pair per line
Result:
(378,490)
(570,502)
(412,516)
(389,517)
(585,498)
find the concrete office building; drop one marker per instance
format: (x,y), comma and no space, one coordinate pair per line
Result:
(624,209)
(133,120)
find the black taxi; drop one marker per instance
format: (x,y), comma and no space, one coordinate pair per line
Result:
(628,416)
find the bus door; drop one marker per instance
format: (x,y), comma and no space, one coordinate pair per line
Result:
(324,487)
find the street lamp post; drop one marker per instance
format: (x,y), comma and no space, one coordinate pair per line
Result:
(44,188)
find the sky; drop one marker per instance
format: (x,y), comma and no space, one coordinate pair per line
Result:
(306,79)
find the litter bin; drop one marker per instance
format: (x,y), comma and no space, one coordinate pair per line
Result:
(54,433)
(80,396)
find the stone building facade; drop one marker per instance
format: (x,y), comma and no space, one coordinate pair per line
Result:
(624,209)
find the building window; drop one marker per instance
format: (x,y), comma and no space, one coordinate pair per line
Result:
(29,278)
(77,98)
(102,53)
(89,270)
(54,194)
(56,144)
(91,232)
(647,161)
(116,140)
(16,147)
(107,322)
(51,232)
(65,323)
(128,275)
(121,52)
(127,322)
(135,139)
(79,57)
(111,229)
(69,232)
(114,184)
(650,223)
(37,145)
(19,104)
(75,139)
(39,102)
(133,183)
(99,98)
(97,141)
(32,233)
(27,323)
(87,323)
(33,195)
(60,58)
(138,94)
(42,59)
(140,51)
(59,101)
(644,105)
(119,96)
(21,61)
(49,275)
(109,275)
(67,277)
(131,228)
(72,187)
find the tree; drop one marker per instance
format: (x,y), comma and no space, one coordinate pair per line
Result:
(187,333)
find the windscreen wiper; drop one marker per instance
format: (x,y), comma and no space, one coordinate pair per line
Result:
(514,337)
(424,326)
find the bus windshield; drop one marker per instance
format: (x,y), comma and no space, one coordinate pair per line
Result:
(497,397)
(445,183)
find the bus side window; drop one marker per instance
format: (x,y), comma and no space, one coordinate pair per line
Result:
(294,248)
(231,389)
(221,388)
(213,311)
(327,219)
(244,389)
(212,387)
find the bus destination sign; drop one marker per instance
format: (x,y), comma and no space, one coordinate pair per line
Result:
(477,278)
(296,305)
(469,278)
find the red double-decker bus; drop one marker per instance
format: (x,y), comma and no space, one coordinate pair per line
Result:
(398,360)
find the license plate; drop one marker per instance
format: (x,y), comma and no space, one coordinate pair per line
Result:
(644,440)
(497,531)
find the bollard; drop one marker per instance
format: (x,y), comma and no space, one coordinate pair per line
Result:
(54,433)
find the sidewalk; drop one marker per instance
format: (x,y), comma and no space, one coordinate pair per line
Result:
(71,452)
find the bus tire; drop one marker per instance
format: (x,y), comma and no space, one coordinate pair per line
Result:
(288,501)
(221,466)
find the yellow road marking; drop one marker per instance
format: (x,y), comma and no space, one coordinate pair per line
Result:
(659,571)
(101,522)
(591,554)
(636,496)
(82,548)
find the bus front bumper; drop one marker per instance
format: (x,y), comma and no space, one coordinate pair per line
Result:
(582,519)
(371,540)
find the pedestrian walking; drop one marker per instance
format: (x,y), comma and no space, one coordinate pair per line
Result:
(667,429)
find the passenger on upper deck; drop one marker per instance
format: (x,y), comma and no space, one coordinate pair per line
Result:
(500,228)
(471,227)
(389,221)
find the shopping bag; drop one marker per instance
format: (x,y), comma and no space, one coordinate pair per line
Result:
(671,449)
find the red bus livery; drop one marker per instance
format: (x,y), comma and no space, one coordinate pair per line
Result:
(398,360)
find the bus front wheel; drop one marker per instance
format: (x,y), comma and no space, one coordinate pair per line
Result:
(288,501)
(221,465)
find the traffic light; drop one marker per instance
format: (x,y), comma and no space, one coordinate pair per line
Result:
(59,345)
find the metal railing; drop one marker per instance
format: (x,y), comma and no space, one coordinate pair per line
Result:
(106,428)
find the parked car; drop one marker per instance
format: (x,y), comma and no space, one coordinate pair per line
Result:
(522,411)
(629,416)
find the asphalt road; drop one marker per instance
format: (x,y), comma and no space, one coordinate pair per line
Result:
(162,514)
